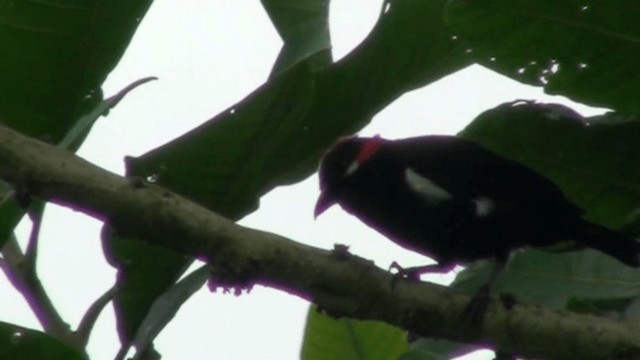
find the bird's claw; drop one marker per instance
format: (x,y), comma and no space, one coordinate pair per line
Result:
(405,273)
(475,311)
(402,274)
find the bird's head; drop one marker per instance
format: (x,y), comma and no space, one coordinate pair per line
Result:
(340,165)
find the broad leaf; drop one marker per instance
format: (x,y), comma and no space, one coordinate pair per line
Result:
(19,343)
(584,50)
(167,306)
(137,291)
(328,338)
(431,349)
(55,56)
(593,160)
(303,25)
(558,280)
(276,135)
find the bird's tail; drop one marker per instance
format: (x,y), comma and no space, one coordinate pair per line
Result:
(622,247)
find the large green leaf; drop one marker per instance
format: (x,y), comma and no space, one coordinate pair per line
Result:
(593,160)
(19,343)
(225,163)
(586,50)
(76,135)
(329,338)
(555,280)
(166,307)
(303,25)
(276,135)
(135,289)
(432,349)
(55,56)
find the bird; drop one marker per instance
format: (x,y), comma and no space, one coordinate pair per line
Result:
(456,202)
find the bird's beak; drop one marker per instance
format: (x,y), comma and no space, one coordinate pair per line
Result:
(325,201)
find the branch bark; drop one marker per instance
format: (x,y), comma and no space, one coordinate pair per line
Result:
(338,282)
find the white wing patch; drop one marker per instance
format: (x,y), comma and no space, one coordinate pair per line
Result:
(484,206)
(352,168)
(426,188)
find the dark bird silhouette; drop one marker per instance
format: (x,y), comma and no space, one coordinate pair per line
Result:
(456,202)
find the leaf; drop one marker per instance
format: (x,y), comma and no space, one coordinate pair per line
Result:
(224,162)
(555,280)
(612,307)
(432,349)
(79,131)
(584,281)
(328,338)
(55,56)
(583,50)
(276,135)
(593,160)
(303,25)
(166,307)
(137,289)
(17,342)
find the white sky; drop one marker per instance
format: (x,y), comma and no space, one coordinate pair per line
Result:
(209,55)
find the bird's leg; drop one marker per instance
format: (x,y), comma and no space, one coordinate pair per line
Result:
(413,273)
(477,308)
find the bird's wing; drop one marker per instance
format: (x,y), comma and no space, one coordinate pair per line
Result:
(467,170)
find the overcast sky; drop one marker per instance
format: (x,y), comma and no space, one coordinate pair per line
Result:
(209,55)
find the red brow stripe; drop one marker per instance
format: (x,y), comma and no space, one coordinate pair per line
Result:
(368,149)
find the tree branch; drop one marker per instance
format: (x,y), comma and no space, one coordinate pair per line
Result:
(338,282)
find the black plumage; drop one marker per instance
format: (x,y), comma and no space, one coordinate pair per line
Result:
(455,201)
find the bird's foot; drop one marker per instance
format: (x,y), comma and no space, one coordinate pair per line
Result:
(402,274)
(475,311)
(411,274)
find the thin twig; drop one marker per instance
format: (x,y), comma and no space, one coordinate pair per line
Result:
(24,278)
